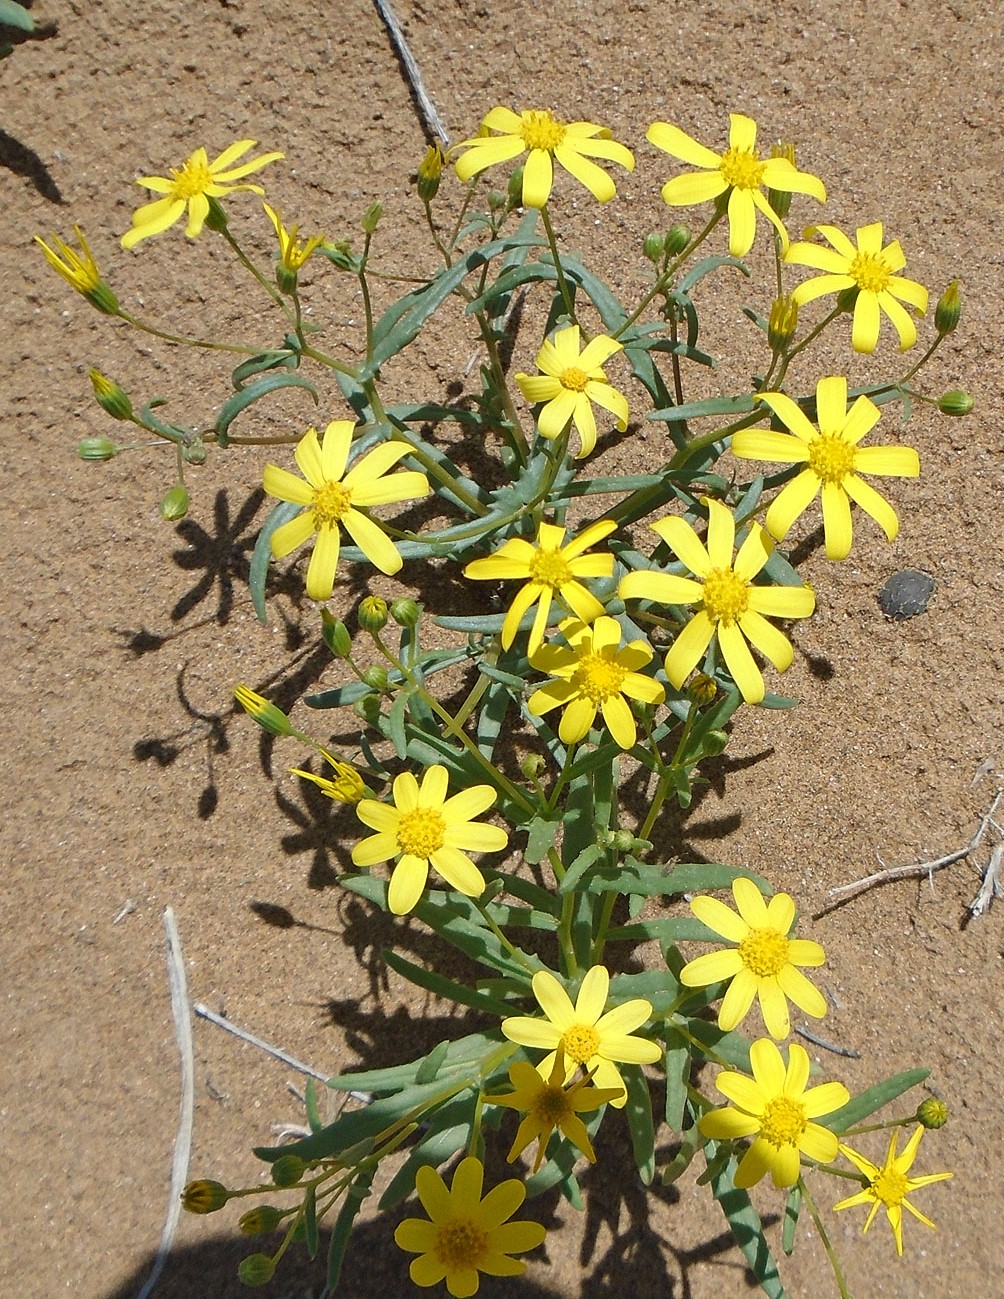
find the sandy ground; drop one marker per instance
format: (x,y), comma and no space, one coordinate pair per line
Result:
(131,785)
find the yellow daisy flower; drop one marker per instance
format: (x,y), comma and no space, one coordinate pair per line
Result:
(192,186)
(834,462)
(571,381)
(334,497)
(889,1185)
(595,673)
(292,252)
(550,1104)
(739,172)
(79,270)
(762,965)
(869,268)
(347,786)
(550,569)
(583,1033)
(465,1234)
(774,1108)
(730,606)
(425,828)
(548,139)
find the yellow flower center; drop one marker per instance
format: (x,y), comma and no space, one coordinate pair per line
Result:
(541,131)
(741,168)
(831,457)
(331,502)
(460,1243)
(551,1106)
(550,568)
(580,1043)
(869,272)
(783,1122)
(598,678)
(890,1187)
(764,952)
(421,831)
(573,379)
(194,178)
(726,597)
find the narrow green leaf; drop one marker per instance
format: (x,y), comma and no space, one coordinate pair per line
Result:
(310,1102)
(638,1112)
(258,575)
(541,833)
(395,724)
(14,15)
(310,1221)
(430,1066)
(792,1208)
(674,930)
(859,1107)
(681,1161)
(356,1193)
(747,1229)
(247,396)
(441,986)
(589,856)
(677,1064)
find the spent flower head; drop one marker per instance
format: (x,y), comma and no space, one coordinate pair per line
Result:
(833,462)
(739,172)
(80,271)
(872,271)
(293,251)
(546,139)
(347,786)
(888,1186)
(550,569)
(333,499)
(424,828)
(466,1234)
(763,964)
(190,187)
(775,1109)
(730,606)
(571,380)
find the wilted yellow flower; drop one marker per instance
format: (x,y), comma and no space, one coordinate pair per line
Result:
(774,1108)
(467,1235)
(731,607)
(80,271)
(570,383)
(833,459)
(192,186)
(550,569)
(595,674)
(762,965)
(889,1185)
(585,1035)
(548,139)
(333,497)
(347,785)
(739,172)
(869,268)
(425,828)
(292,252)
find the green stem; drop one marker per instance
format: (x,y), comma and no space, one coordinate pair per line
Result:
(263,280)
(566,293)
(827,1244)
(184,340)
(515,952)
(668,275)
(432,467)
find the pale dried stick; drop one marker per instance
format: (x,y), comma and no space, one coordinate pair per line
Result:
(433,121)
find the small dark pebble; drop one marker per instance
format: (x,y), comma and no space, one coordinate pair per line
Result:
(906,594)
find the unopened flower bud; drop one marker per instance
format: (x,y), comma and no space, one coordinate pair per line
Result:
(256,1269)
(932,1113)
(702,689)
(269,716)
(288,1169)
(515,188)
(780,199)
(372,614)
(368,708)
(174,503)
(948,310)
(955,402)
(194,453)
(376,677)
(110,397)
(406,612)
(336,635)
(430,171)
(371,217)
(216,218)
(654,246)
(204,1196)
(714,743)
(266,1217)
(96,449)
(496,200)
(782,323)
(677,239)
(532,765)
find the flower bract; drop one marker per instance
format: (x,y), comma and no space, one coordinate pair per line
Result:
(571,381)
(595,674)
(889,1185)
(346,786)
(549,1104)
(762,965)
(547,140)
(833,462)
(730,606)
(869,268)
(333,499)
(739,172)
(466,1234)
(424,828)
(190,187)
(587,1034)
(775,1109)
(79,270)
(550,569)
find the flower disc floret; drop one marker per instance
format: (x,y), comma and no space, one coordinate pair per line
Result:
(888,1185)
(570,382)
(506,135)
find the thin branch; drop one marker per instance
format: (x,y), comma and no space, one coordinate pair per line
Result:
(433,122)
(205,1013)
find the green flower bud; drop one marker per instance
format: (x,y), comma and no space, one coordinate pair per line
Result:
(948,310)
(372,614)
(376,677)
(955,402)
(371,217)
(340,255)
(194,453)
(714,743)
(216,218)
(336,635)
(174,504)
(654,246)
(496,200)
(782,323)
(204,1196)
(430,171)
(532,765)
(368,708)
(269,716)
(677,239)
(702,689)
(406,612)
(256,1269)
(932,1113)
(256,1222)
(288,1169)
(780,199)
(514,191)
(96,449)
(110,397)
